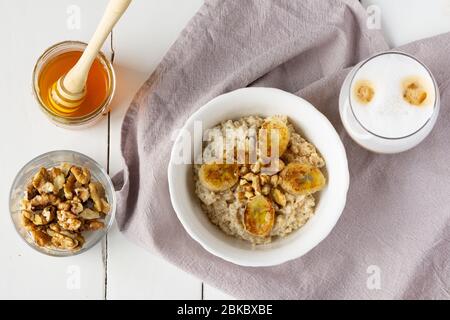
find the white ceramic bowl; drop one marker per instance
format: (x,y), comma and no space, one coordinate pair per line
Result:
(313,125)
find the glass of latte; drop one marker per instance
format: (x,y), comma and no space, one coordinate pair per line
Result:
(389,103)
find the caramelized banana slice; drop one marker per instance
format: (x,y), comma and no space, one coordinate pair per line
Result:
(259,216)
(218,177)
(273,127)
(299,178)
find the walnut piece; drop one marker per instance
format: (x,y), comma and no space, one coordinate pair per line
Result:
(41,238)
(61,241)
(65,215)
(40,218)
(65,206)
(70,224)
(65,168)
(256,185)
(44,200)
(98,196)
(265,179)
(69,186)
(279,197)
(58,179)
(274,180)
(82,193)
(27,223)
(266,189)
(30,192)
(76,207)
(82,175)
(89,214)
(25,204)
(93,225)
(41,182)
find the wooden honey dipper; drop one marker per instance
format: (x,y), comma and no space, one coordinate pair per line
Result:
(69,91)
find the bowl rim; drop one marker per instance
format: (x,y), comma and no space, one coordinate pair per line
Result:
(107,227)
(248,262)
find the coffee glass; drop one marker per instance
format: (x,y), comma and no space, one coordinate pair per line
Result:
(360,127)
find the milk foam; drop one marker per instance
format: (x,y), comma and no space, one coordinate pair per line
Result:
(388,114)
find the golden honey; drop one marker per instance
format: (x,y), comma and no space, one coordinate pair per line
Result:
(96,85)
(55,63)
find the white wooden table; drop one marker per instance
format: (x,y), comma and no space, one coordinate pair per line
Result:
(116,269)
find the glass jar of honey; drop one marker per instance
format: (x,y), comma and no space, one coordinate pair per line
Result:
(54,63)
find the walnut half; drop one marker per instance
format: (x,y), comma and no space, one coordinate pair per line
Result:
(82,175)
(98,196)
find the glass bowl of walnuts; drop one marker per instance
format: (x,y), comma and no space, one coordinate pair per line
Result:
(62,203)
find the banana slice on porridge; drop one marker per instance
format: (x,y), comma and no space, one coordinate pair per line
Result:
(273,127)
(302,179)
(259,216)
(218,177)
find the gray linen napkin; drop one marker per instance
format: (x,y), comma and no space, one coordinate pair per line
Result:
(396,225)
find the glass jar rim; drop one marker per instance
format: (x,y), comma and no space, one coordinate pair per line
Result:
(80,119)
(435,85)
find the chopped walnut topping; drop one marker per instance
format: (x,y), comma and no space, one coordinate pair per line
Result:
(265,179)
(279,197)
(274,180)
(60,203)
(266,189)
(256,185)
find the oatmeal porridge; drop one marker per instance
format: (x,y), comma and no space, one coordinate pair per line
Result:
(259,184)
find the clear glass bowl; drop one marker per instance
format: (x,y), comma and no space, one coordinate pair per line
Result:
(52,159)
